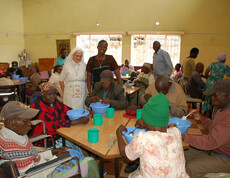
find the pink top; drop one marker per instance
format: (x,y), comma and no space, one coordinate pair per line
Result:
(126,69)
(161,154)
(218,138)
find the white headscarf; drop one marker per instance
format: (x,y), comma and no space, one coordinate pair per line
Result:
(70,56)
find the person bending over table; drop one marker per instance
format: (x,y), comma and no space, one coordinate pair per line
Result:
(172,90)
(16,146)
(160,148)
(107,91)
(54,114)
(100,62)
(211,153)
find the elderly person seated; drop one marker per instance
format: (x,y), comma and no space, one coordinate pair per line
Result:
(126,67)
(211,153)
(172,90)
(106,91)
(195,82)
(14,70)
(16,146)
(54,79)
(160,148)
(54,114)
(143,80)
(35,80)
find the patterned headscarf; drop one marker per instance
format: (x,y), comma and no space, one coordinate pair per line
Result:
(45,87)
(148,65)
(221,57)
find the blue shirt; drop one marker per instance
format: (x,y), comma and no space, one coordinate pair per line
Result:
(162,63)
(60,61)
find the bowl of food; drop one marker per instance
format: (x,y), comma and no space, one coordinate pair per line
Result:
(124,72)
(129,84)
(77,113)
(128,136)
(15,76)
(23,79)
(99,108)
(182,125)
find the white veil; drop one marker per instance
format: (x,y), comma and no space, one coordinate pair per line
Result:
(70,56)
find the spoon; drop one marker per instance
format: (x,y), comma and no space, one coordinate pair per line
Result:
(185,117)
(132,132)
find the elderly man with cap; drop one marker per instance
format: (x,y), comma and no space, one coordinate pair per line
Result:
(211,153)
(14,142)
(14,70)
(172,90)
(160,148)
(107,91)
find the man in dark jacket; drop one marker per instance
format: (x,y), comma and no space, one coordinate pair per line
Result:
(106,91)
(14,70)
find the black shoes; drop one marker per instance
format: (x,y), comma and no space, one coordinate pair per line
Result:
(131,167)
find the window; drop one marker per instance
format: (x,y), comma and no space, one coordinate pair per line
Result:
(142,48)
(89,45)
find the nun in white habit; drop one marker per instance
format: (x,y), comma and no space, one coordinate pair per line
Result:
(72,80)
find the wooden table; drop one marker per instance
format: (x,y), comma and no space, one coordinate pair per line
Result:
(106,147)
(131,90)
(17,82)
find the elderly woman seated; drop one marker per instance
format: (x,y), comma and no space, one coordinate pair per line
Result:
(54,114)
(16,146)
(106,91)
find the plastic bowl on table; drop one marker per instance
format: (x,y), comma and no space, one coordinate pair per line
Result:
(128,137)
(124,72)
(182,125)
(77,113)
(24,79)
(15,76)
(129,85)
(99,108)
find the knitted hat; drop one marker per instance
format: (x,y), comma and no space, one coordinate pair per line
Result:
(156,111)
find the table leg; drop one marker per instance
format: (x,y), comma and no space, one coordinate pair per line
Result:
(101,167)
(63,141)
(137,97)
(116,167)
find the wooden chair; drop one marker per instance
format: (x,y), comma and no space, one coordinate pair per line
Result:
(194,101)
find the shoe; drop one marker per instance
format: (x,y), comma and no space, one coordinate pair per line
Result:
(131,167)
(104,172)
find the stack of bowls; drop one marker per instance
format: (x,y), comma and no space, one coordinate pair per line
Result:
(99,108)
